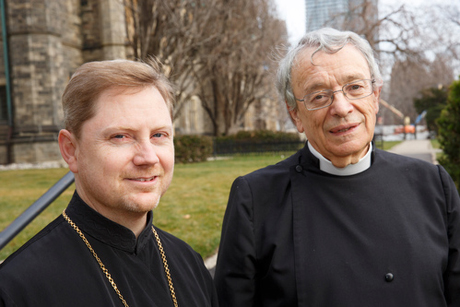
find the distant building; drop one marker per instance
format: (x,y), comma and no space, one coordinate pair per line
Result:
(339,14)
(319,12)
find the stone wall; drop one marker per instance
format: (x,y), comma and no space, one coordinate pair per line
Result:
(48,41)
(103,30)
(36,152)
(3,154)
(37,71)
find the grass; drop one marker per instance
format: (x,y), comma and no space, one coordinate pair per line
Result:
(389,144)
(18,190)
(435,144)
(192,209)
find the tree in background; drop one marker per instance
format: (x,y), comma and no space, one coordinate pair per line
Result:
(392,31)
(236,69)
(418,46)
(433,101)
(217,50)
(449,133)
(410,78)
(171,31)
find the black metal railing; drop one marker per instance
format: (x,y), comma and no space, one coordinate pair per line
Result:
(231,147)
(35,209)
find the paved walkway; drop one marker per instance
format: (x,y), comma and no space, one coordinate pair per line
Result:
(420,149)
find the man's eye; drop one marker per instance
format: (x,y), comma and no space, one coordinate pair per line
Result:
(118,136)
(158,135)
(318,97)
(354,87)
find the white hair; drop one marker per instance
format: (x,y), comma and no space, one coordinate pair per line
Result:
(327,40)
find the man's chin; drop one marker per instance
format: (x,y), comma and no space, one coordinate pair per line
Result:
(142,204)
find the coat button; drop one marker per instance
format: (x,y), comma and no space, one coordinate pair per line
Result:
(298,168)
(389,277)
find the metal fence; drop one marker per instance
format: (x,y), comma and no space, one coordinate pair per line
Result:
(232,147)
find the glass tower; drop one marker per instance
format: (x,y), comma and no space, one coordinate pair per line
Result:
(319,12)
(339,14)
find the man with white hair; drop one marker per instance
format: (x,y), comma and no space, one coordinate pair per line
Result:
(339,223)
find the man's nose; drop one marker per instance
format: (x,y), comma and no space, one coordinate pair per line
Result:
(146,154)
(341,106)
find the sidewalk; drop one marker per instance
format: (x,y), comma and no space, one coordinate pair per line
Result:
(420,149)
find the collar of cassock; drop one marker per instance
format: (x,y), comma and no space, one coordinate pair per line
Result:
(95,225)
(352,169)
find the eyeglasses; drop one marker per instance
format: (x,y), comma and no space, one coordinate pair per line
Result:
(354,90)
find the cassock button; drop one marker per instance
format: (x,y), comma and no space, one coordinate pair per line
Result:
(298,168)
(389,277)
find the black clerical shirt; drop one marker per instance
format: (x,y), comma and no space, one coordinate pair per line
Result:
(294,235)
(56,268)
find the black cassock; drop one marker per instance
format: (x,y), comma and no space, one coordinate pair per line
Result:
(294,235)
(55,268)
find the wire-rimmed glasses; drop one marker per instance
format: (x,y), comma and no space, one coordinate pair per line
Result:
(354,90)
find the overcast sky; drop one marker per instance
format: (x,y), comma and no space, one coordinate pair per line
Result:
(293,11)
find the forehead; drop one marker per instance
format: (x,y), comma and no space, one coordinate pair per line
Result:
(109,97)
(129,109)
(326,69)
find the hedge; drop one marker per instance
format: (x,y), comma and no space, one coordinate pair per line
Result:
(198,148)
(192,148)
(449,133)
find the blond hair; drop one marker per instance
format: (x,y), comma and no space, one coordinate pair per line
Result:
(93,78)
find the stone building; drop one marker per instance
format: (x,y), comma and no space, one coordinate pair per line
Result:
(46,40)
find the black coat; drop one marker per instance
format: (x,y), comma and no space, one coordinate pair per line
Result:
(296,236)
(55,268)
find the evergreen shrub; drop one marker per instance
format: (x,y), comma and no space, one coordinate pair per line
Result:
(192,148)
(449,133)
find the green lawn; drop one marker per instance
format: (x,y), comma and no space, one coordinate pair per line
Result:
(435,144)
(389,144)
(18,190)
(192,209)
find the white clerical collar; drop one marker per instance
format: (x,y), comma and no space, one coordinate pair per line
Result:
(352,169)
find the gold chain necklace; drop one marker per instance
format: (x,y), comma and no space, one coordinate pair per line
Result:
(106,272)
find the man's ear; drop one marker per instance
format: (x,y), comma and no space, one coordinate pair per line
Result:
(68,147)
(377,91)
(377,99)
(295,118)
